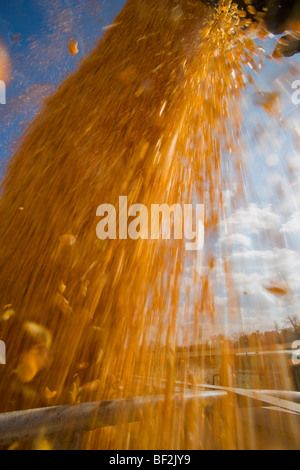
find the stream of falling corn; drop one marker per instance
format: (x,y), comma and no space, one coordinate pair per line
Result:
(148,115)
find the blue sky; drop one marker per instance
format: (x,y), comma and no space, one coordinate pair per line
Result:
(39,56)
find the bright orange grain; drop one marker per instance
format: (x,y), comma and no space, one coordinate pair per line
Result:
(147,116)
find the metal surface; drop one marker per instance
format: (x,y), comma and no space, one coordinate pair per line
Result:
(64,425)
(65,422)
(271,397)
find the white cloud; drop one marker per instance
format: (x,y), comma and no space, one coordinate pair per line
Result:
(258,322)
(253,255)
(292,225)
(256,263)
(252,271)
(253,220)
(237,239)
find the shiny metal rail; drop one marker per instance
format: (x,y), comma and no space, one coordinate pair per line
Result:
(66,423)
(279,399)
